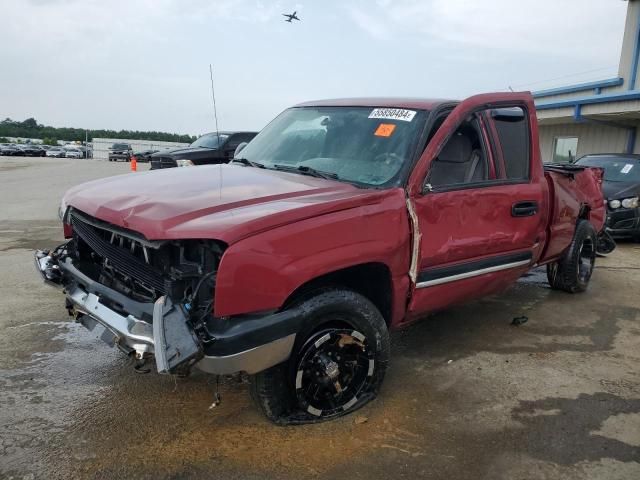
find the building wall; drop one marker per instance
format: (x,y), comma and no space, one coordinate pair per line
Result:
(592,138)
(594,124)
(628,45)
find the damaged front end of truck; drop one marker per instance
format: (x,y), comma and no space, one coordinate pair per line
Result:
(153,298)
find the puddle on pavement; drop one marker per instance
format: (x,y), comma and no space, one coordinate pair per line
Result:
(78,409)
(537,276)
(81,408)
(29,235)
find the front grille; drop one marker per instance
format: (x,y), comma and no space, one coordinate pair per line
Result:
(111,247)
(620,215)
(163,162)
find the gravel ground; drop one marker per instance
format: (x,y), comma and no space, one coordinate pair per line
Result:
(467,396)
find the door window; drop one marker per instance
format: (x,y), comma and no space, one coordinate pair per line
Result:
(463,160)
(511,142)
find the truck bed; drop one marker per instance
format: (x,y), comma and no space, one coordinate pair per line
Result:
(572,189)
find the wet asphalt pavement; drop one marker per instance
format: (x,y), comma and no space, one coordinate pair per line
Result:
(467,396)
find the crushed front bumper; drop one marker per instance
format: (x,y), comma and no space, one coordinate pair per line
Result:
(161,330)
(623,223)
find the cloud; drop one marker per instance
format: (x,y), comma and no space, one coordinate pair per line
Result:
(144,64)
(370,23)
(582,28)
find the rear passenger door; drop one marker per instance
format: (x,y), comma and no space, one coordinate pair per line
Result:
(477,196)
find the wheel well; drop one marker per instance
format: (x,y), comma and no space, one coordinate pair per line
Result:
(372,280)
(585,211)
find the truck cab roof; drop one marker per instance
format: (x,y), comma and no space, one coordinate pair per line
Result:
(397,102)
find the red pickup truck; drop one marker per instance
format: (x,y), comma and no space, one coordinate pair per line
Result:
(341,220)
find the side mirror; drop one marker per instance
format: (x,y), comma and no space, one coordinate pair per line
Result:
(239,148)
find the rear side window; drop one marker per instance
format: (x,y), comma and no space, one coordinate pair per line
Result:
(237,138)
(512,131)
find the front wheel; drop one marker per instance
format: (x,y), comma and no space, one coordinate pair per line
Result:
(573,271)
(337,364)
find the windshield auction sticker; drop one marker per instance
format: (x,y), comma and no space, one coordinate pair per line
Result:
(384,130)
(627,168)
(393,114)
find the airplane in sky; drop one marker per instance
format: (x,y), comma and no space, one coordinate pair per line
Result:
(291,17)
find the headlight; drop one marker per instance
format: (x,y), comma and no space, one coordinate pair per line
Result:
(630,202)
(184,163)
(615,204)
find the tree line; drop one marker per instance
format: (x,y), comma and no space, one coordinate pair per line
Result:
(30,128)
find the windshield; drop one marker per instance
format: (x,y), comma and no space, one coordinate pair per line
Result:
(616,169)
(210,140)
(120,146)
(363,145)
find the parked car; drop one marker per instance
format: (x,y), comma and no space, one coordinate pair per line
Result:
(57,152)
(74,153)
(9,150)
(210,148)
(621,187)
(144,156)
(120,151)
(342,219)
(30,150)
(41,151)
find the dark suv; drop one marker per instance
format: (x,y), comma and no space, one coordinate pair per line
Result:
(210,148)
(120,151)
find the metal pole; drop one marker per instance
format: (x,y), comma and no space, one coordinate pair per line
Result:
(213,96)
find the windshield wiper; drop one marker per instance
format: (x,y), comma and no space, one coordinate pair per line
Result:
(307,171)
(248,163)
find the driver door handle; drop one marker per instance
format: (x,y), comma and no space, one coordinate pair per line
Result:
(527,208)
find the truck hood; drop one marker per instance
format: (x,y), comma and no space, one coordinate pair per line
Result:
(223,202)
(184,151)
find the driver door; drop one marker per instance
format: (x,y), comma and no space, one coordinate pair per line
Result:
(476,195)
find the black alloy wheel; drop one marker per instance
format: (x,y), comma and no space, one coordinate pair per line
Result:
(334,367)
(573,271)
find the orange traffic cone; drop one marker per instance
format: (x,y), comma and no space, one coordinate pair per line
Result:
(134,164)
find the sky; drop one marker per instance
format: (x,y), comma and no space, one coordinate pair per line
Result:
(144,64)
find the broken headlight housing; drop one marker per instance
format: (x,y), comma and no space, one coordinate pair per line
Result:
(183,162)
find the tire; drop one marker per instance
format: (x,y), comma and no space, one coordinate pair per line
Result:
(341,353)
(606,244)
(573,271)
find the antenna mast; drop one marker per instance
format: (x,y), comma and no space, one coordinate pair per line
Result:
(213,96)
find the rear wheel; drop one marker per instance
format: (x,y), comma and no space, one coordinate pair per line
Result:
(573,271)
(337,364)
(606,244)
